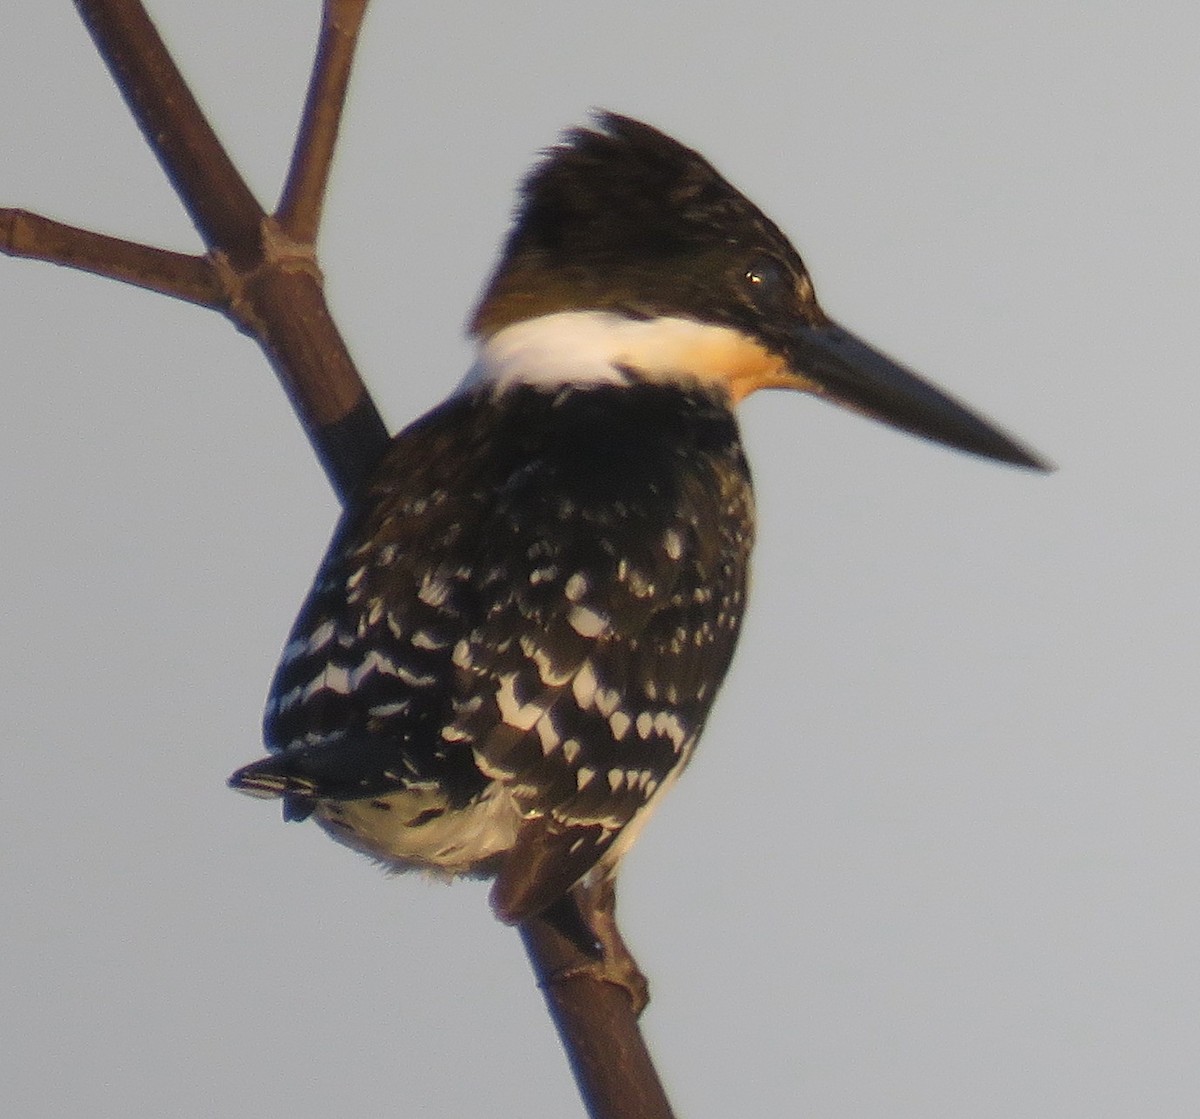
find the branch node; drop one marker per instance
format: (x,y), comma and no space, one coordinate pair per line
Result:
(282,254)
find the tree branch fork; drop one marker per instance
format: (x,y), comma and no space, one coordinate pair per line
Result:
(213,280)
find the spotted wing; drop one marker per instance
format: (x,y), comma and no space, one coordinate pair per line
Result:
(366,680)
(545,596)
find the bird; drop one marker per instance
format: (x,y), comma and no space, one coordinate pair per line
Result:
(526,612)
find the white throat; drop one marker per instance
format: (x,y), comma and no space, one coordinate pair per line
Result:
(599,348)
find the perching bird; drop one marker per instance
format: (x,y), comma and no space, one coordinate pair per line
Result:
(516,636)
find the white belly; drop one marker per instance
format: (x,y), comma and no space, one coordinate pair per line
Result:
(419,830)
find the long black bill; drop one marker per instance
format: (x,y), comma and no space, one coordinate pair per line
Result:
(848,371)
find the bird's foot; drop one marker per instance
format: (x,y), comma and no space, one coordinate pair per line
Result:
(623,973)
(587,917)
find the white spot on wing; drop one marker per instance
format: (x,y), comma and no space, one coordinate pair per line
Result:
(607,701)
(547,734)
(669,725)
(321,636)
(423,639)
(587,622)
(332,678)
(584,686)
(521,716)
(547,673)
(433,591)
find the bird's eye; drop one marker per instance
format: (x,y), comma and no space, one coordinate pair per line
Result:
(767,282)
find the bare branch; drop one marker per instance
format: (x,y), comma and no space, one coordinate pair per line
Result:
(216,196)
(271,285)
(598,1026)
(299,213)
(191,278)
(283,306)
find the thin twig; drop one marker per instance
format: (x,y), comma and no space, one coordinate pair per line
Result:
(299,213)
(191,278)
(216,196)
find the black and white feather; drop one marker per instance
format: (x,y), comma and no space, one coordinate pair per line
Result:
(517,634)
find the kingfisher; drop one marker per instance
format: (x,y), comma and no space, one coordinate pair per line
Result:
(518,631)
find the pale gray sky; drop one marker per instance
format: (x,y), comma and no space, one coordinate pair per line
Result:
(938,853)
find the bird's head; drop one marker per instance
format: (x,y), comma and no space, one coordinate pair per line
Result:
(632,259)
